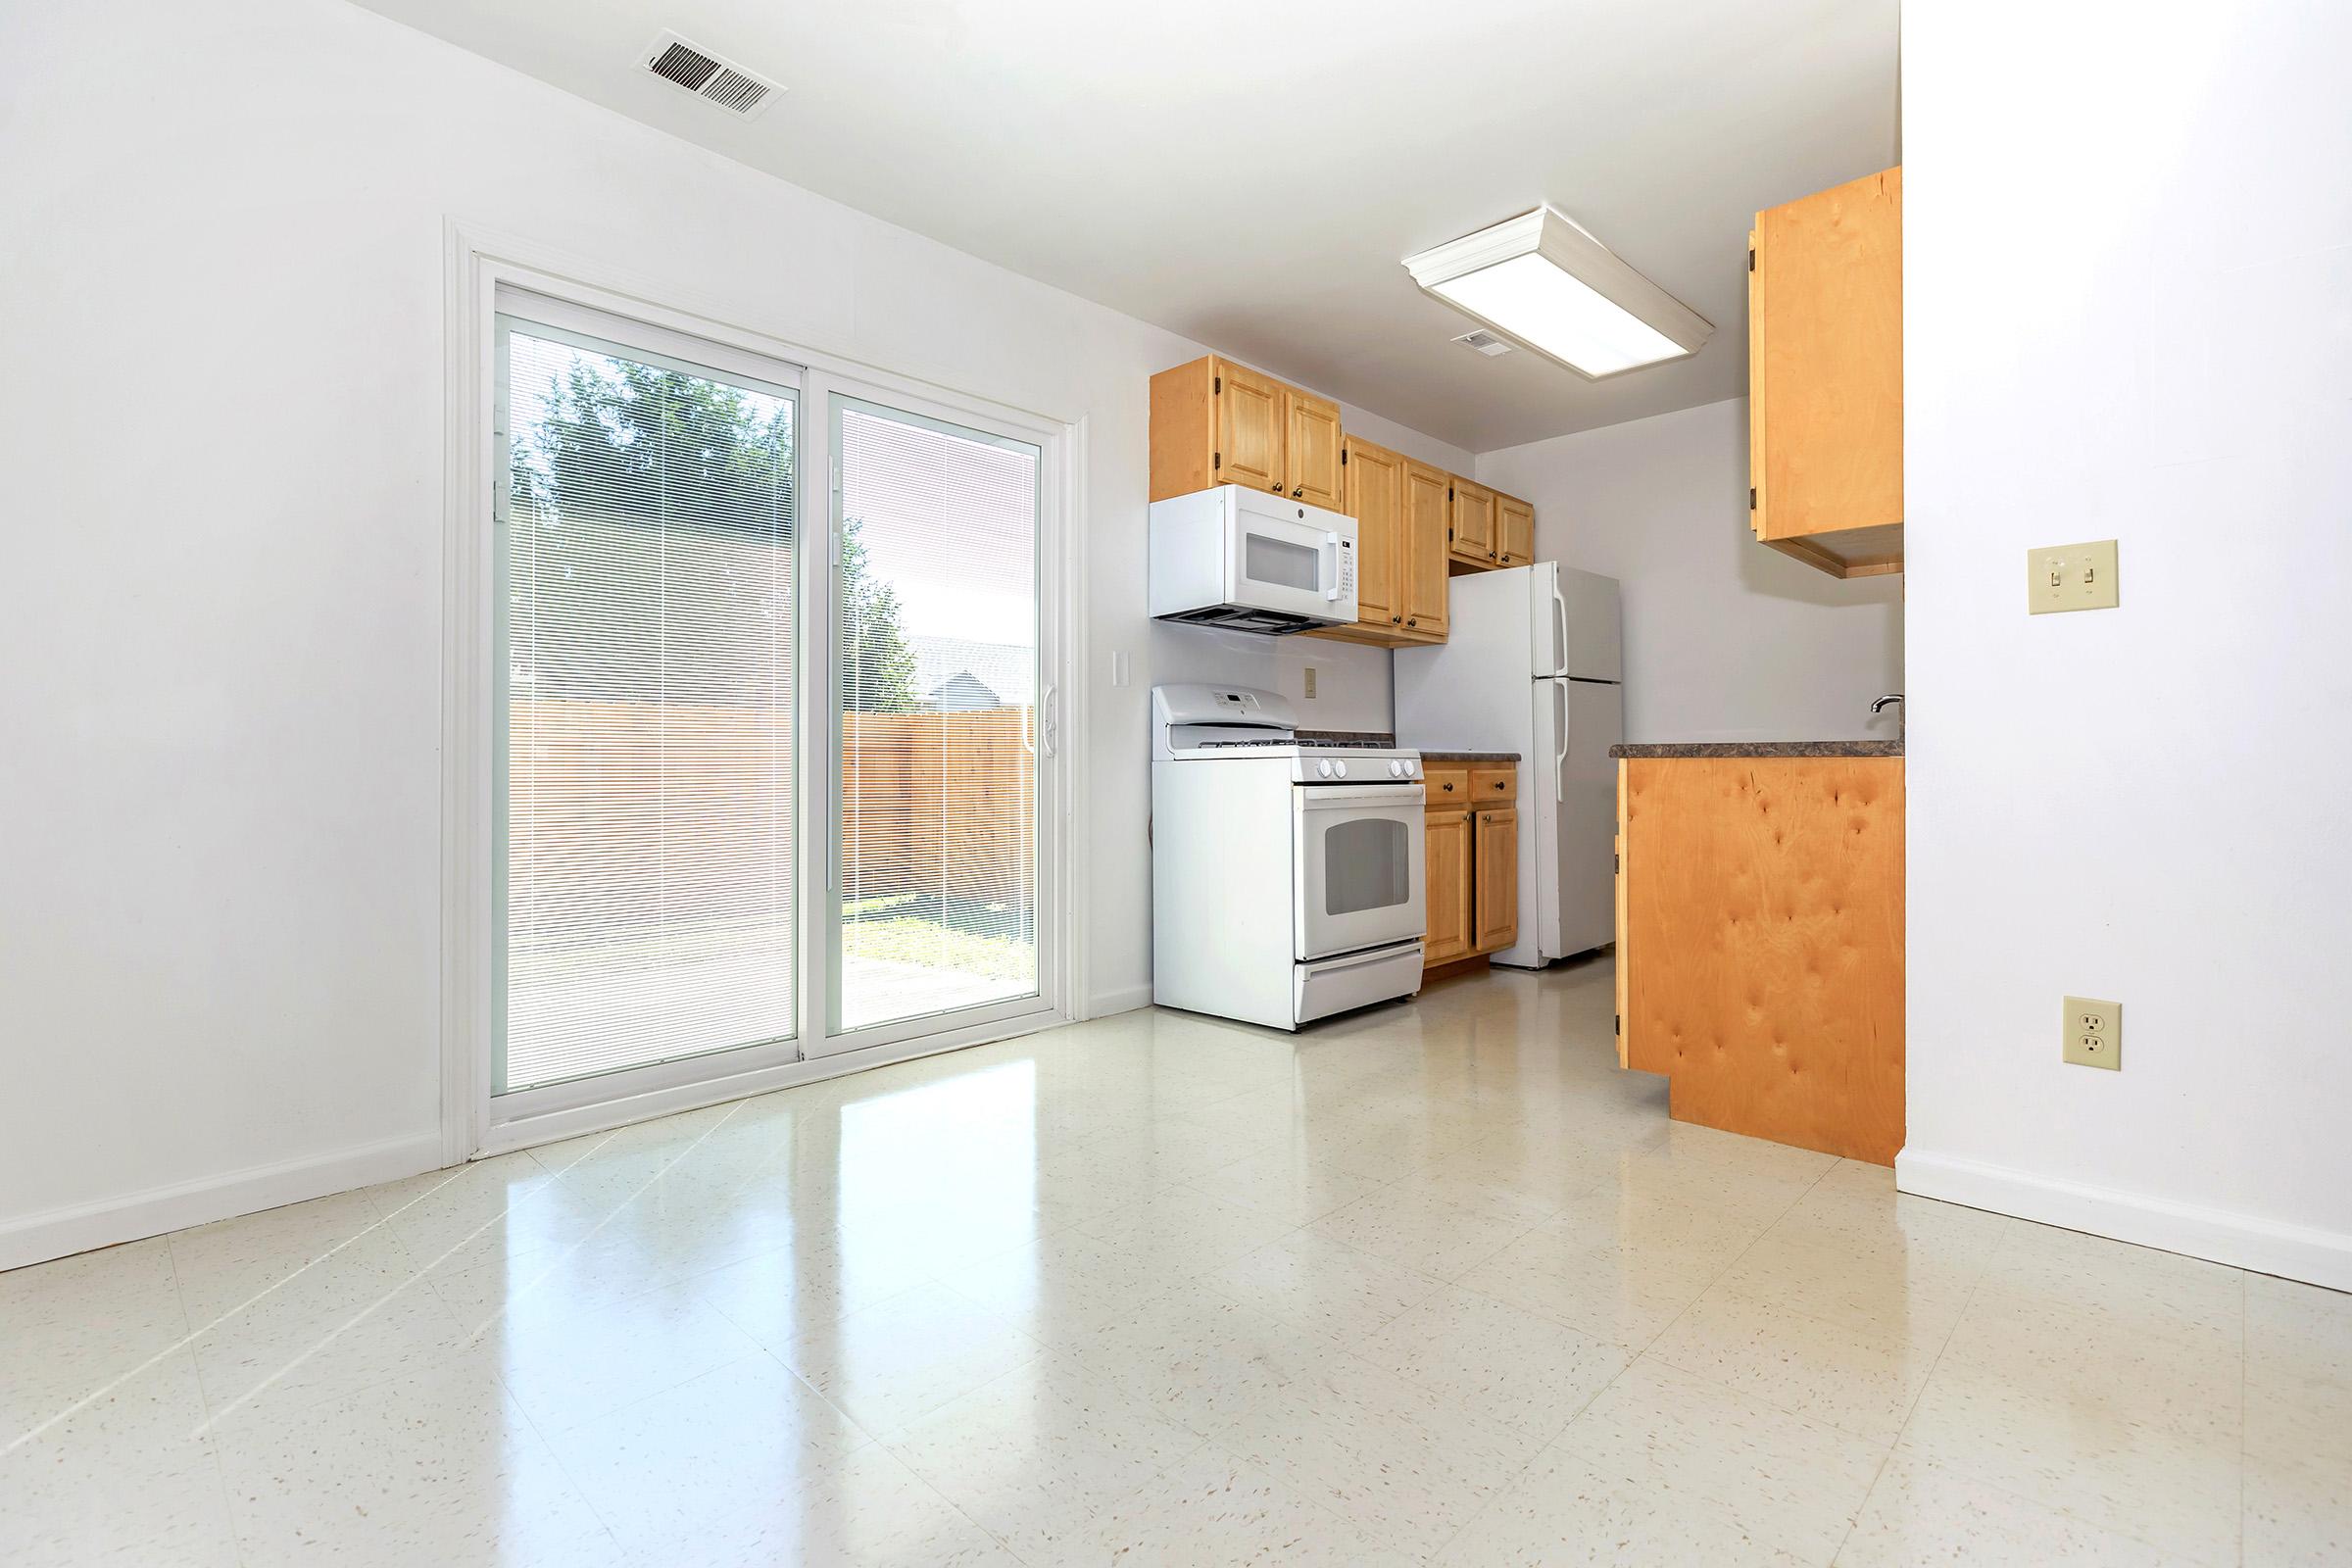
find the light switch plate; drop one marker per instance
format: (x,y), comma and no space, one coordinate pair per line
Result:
(2092,1033)
(1310,681)
(2070,577)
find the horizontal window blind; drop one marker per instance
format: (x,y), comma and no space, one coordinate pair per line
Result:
(938,682)
(646,565)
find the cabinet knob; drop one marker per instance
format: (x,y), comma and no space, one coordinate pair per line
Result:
(1276,487)
(1395,620)
(1448,786)
(1413,620)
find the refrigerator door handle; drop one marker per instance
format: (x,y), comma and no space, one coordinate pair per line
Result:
(1559,629)
(1559,763)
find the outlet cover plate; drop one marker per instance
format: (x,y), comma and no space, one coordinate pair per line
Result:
(2070,577)
(2091,1032)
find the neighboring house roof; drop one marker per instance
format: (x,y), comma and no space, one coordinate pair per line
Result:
(957,672)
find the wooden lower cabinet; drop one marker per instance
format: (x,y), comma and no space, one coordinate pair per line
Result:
(1496,879)
(1760,945)
(1446,873)
(1470,864)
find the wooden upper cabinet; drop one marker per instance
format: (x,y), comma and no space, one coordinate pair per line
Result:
(1311,449)
(1373,494)
(1252,428)
(1824,367)
(1424,551)
(1496,879)
(1471,540)
(1217,422)
(1514,530)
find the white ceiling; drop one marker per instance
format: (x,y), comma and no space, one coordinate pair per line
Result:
(1249,172)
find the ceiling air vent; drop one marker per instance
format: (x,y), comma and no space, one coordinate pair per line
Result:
(708,76)
(1488,343)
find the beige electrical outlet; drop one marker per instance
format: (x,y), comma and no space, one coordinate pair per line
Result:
(2070,577)
(2092,1033)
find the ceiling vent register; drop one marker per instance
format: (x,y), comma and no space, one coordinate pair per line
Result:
(711,78)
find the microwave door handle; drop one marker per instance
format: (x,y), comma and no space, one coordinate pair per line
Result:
(1331,565)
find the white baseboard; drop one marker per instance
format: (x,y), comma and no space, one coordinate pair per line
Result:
(59,1232)
(2243,1241)
(1126,999)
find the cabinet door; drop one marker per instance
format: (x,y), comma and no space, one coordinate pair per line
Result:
(1311,448)
(1472,537)
(1514,530)
(1374,496)
(1422,551)
(1446,873)
(1825,369)
(1497,879)
(1250,428)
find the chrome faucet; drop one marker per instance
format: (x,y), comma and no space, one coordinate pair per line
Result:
(1902,724)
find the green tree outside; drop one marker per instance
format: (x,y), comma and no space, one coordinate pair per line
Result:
(654,515)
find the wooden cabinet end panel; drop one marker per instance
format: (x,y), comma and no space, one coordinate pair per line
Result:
(1826,360)
(1183,431)
(1764,900)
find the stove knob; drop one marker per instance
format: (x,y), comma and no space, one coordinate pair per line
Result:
(1411,769)
(1323,769)
(1341,768)
(1395,770)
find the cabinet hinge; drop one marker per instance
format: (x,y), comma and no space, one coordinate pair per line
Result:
(1343,457)
(1216,460)
(1751,498)
(1216,385)
(1752,257)
(1619,1022)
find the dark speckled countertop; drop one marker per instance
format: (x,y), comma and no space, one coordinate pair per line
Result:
(1762,748)
(1440,753)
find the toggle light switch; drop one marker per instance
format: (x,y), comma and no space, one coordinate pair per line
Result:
(2070,577)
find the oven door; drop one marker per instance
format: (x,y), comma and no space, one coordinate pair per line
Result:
(1355,853)
(1295,560)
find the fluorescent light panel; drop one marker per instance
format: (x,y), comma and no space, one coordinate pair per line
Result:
(1547,283)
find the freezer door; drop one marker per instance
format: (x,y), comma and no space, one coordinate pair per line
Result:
(1578,630)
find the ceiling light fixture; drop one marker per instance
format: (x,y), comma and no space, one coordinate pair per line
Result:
(1541,279)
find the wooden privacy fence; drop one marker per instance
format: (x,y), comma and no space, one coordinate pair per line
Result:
(942,805)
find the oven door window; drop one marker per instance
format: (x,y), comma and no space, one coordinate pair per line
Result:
(1358,867)
(1367,865)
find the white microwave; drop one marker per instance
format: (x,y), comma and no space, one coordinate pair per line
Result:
(1250,560)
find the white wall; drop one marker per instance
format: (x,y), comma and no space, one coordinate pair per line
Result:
(1724,639)
(221,431)
(2126,316)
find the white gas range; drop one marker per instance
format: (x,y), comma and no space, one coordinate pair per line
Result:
(1286,867)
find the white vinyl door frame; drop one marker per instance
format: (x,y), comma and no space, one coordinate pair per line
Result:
(480,266)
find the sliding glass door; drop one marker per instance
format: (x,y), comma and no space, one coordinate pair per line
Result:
(649,529)
(706,864)
(937,681)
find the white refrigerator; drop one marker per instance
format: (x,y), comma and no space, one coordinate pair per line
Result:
(1532,664)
